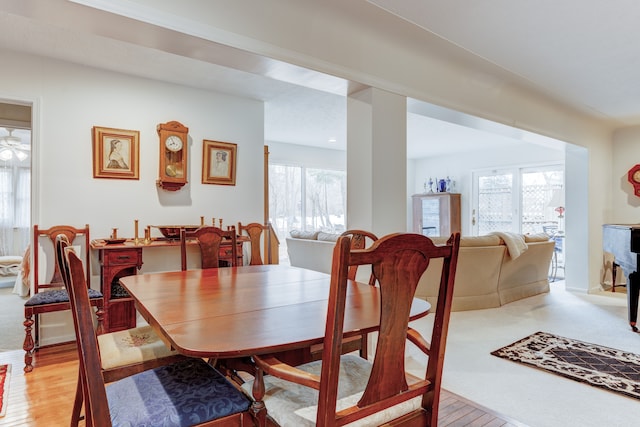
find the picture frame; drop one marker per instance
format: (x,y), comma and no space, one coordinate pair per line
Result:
(116,153)
(219,162)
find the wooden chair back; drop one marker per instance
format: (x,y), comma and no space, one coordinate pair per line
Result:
(398,261)
(255,231)
(209,240)
(93,387)
(62,242)
(360,239)
(50,296)
(49,235)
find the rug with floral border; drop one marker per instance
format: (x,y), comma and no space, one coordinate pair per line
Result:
(596,365)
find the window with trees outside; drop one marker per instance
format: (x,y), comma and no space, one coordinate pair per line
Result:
(306,199)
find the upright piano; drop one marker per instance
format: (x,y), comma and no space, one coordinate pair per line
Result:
(623,241)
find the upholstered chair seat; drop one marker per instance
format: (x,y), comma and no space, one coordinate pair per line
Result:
(131,346)
(56,296)
(182,394)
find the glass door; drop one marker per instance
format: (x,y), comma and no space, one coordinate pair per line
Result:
(521,199)
(495,203)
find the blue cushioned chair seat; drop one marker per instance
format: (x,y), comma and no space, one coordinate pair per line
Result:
(56,296)
(180,394)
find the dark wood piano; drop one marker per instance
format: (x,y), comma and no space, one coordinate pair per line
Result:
(623,241)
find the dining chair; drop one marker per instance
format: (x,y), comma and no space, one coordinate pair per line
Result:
(51,296)
(209,240)
(122,353)
(377,392)
(256,231)
(185,393)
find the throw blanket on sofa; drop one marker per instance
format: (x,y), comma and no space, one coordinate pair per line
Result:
(515,243)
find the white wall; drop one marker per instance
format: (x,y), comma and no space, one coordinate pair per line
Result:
(73,99)
(310,157)
(626,155)
(70,99)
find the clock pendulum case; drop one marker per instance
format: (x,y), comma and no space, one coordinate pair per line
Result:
(173,155)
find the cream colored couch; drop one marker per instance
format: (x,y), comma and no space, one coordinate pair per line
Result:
(487,276)
(312,250)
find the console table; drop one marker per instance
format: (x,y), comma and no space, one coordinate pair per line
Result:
(125,259)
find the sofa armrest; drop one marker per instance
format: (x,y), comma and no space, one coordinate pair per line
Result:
(526,275)
(311,254)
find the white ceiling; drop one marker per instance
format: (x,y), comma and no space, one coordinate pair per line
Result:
(585,52)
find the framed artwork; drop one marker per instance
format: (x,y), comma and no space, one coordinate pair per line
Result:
(219,162)
(116,153)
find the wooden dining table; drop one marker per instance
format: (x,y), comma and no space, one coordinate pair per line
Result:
(242,311)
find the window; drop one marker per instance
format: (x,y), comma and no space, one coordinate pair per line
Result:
(285,198)
(325,200)
(14,208)
(306,199)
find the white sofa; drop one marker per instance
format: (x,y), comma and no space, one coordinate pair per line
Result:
(487,275)
(312,250)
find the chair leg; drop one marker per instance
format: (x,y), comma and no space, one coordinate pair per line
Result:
(28,345)
(100,317)
(364,343)
(77,403)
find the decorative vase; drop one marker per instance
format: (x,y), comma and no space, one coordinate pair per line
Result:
(442,186)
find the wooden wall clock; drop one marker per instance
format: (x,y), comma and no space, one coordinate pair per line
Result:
(173,155)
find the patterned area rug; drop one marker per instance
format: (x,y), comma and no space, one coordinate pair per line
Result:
(5,370)
(593,364)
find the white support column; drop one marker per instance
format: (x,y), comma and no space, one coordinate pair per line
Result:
(377,161)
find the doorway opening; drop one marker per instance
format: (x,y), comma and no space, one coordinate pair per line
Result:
(15,216)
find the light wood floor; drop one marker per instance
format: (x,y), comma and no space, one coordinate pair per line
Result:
(44,397)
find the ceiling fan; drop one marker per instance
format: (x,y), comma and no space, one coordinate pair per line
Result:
(12,146)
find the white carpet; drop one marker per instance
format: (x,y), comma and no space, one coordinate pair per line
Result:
(533,397)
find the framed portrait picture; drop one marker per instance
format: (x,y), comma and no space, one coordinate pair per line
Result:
(116,153)
(219,162)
